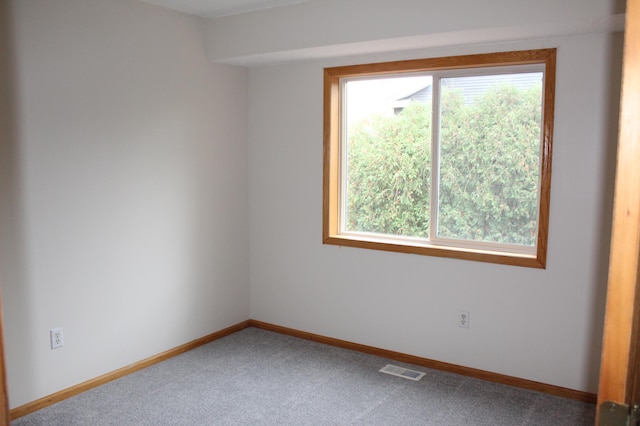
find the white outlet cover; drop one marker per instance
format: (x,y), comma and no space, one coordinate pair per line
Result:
(463,319)
(57,338)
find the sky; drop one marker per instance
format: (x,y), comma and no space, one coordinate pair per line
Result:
(366,96)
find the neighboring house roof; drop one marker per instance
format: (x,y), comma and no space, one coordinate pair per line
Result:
(471,87)
(422,95)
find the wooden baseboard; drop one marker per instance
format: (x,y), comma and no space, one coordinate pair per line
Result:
(397,356)
(90,384)
(429,363)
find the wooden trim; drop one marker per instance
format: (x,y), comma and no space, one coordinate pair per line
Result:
(514,259)
(4,395)
(9,136)
(619,349)
(429,363)
(519,57)
(547,150)
(331,157)
(332,162)
(101,380)
(41,403)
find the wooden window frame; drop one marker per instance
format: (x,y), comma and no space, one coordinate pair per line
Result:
(332,156)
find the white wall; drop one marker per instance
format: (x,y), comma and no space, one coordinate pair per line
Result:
(325,28)
(541,325)
(125,194)
(124,189)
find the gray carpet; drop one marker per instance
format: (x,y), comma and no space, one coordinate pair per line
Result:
(256,377)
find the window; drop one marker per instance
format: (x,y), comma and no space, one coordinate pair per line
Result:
(446,157)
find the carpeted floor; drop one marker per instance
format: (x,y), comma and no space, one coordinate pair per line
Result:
(256,377)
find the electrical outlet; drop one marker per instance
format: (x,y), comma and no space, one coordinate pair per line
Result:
(463,319)
(57,339)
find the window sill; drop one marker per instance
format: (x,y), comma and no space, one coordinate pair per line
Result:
(427,249)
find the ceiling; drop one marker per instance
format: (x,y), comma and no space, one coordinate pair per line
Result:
(216,8)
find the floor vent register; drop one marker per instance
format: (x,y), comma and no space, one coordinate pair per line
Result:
(405,373)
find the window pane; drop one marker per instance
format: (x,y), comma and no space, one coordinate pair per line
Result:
(388,148)
(490,135)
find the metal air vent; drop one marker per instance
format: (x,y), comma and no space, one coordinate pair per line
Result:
(405,373)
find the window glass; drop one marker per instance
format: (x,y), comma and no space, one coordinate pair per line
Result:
(388,156)
(490,144)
